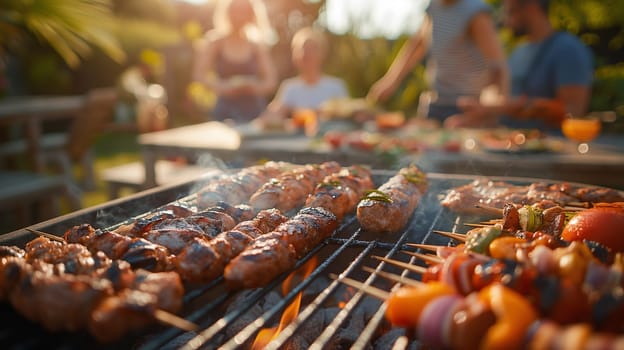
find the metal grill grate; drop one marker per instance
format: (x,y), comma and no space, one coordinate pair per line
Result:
(344,253)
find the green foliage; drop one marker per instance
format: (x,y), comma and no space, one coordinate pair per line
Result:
(68,26)
(362,62)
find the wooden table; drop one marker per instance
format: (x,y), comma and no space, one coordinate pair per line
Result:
(603,165)
(213,143)
(212,140)
(32,111)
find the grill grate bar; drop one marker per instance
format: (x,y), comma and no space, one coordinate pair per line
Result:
(226,320)
(342,315)
(288,332)
(260,322)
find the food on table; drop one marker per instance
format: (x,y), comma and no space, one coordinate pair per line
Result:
(289,190)
(514,141)
(389,208)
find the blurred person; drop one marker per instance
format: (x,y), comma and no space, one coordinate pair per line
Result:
(233,60)
(466,57)
(311,87)
(551,73)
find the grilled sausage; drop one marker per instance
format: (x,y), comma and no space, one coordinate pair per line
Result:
(205,260)
(340,192)
(389,208)
(290,190)
(276,252)
(237,188)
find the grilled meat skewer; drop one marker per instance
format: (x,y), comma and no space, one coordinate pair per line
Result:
(276,252)
(389,208)
(110,300)
(290,190)
(237,188)
(340,192)
(202,260)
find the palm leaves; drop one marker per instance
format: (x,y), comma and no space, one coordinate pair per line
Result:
(71,27)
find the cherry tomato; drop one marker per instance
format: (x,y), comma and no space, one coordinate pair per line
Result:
(406,304)
(602,224)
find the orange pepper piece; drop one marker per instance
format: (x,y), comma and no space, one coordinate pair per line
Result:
(505,247)
(407,303)
(514,316)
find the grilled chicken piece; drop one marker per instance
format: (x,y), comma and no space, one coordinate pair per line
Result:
(239,212)
(205,260)
(165,286)
(237,188)
(138,227)
(7,251)
(276,252)
(58,302)
(290,190)
(340,192)
(390,207)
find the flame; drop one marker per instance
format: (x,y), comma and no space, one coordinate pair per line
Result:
(266,335)
(348,293)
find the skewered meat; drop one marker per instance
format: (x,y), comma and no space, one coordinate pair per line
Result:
(237,188)
(389,208)
(274,253)
(340,192)
(239,212)
(290,190)
(6,251)
(111,300)
(58,302)
(204,260)
(139,252)
(465,198)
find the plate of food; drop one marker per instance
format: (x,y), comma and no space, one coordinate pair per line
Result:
(516,142)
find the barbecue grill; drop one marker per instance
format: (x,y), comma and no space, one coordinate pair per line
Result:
(331,315)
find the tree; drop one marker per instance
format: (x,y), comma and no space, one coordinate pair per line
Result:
(70,27)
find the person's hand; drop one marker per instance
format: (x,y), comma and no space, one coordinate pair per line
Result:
(473,115)
(382,90)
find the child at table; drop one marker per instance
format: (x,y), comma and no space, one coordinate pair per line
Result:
(311,87)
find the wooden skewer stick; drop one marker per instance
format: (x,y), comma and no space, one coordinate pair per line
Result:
(425,257)
(396,278)
(170,319)
(414,268)
(455,236)
(46,235)
(476,225)
(429,247)
(577,205)
(374,291)
(491,210)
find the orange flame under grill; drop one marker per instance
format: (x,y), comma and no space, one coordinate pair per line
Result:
(265,335)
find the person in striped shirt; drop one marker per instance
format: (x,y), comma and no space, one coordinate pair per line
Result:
(551,74)
(464,56)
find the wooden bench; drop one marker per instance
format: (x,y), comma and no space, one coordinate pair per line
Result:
(23,191)
(132,175)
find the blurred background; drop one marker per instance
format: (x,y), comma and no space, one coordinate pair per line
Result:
(144,50)
(72,46)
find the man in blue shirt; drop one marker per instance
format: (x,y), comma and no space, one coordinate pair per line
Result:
(551,73)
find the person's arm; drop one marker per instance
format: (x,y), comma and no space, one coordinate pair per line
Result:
(410,54)
(482,31)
